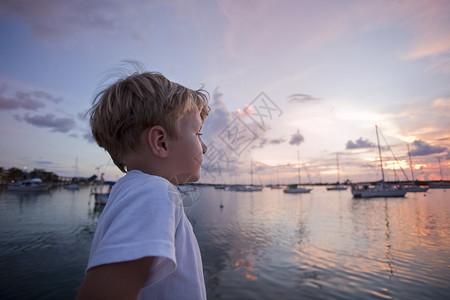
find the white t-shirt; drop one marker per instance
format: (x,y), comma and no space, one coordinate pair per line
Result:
(144,217)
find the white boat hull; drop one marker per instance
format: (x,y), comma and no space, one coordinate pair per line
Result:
(72,187)
(378,190)
(247,188)
(297,191)
(29,185)
(337,188)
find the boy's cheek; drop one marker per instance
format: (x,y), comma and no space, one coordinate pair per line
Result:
(198,160)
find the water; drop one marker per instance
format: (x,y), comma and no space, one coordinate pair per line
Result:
(260,245)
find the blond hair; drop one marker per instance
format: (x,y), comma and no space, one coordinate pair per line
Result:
(121,112)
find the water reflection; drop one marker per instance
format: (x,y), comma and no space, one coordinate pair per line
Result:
(319,245)
(389,256)
(264,245)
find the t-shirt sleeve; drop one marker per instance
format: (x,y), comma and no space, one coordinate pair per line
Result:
(141,222)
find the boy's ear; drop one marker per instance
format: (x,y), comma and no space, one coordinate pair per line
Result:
(157,141)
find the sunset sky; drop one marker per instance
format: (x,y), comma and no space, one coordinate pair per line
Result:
(307,77)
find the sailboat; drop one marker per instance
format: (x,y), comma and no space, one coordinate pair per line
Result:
(97,189)
(338,186)
(276,186)
(440,184)
(296,188)
(412,187)
(381,188)
(74,185)
(248,188)
(29,185)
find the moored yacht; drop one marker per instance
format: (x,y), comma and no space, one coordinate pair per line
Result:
(29,185)
(380,189)
(338,186)
(297,188)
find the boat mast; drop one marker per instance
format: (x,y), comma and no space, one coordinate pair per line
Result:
(337,164)
(298,166)
(251,171)
(379,153)
(410,163)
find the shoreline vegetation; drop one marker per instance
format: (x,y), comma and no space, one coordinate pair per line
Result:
(11,175)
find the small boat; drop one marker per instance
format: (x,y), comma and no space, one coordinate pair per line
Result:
(72,186)
(250,188)
(296,189)
(29,185)
(338,186)
(380,189)
(441,184)
(246,188)
(412,187)
(275,186)
(101,198)
(97,189)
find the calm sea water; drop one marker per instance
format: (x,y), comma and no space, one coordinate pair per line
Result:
(260,245)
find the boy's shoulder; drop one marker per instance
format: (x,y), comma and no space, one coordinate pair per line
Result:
(136,181)
(136,175)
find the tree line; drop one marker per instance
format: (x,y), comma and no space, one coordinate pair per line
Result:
(16,174)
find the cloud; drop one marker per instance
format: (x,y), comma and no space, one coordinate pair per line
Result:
(218,118)
(296,139)
(29,100)
(423,148)
(83,116)
(50,121)
(301,98)
(44,163)
(428,22)
(264,141)
(21,100)
(70,21)
(231,135)
(271,26)
(46,96)
(35,101)
(441,103)
(359,143)
(43,15)
(88,137)
(277,141)
(369,166)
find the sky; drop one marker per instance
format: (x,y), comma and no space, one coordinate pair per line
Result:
(292,83)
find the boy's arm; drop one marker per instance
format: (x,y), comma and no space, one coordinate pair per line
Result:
(115,281)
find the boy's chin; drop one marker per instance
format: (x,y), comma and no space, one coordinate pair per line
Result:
(193,178)
(186,178)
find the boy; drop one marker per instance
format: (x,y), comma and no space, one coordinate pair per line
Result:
(144,246)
